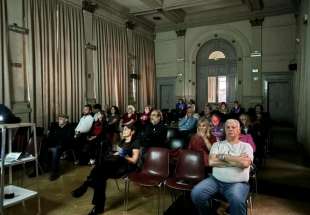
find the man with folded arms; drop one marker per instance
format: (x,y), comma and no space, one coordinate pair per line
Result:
(231,160)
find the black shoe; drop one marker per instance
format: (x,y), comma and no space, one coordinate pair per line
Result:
(96,210)
(78,192)
(53,176)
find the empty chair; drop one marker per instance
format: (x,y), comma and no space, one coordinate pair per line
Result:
(176,143)
(189,171)
(154,171)
(172,133)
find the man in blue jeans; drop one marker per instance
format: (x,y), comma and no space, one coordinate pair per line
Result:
(59,139)
(231,160)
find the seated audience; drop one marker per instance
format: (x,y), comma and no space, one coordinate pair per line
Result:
(237,110)
(246,124)
(207,112)
(96,135)
(180,105)
(217,128)
(231,160)
(155,131)
(223,108)
(81,132)
(113,120)
(202,140)
(260,132)
(59,139)
(114,166)
(187,123)
(192,104)
(85,123)
(146,115)
(180,108)
(247,131)
(130,117)
(97,110)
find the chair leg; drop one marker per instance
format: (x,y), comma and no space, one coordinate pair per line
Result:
(126,194)
(159,197)
(75,161)
(250,203)
(117,185)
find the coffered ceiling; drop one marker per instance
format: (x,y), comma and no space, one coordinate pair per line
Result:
(162,15)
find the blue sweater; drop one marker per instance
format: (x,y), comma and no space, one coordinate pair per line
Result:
(187,123)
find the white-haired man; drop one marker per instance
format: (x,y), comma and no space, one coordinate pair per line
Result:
(231,160)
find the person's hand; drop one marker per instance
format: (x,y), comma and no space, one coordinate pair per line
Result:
(201,132)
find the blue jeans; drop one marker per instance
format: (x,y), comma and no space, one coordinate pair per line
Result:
(56,154)
(235,193)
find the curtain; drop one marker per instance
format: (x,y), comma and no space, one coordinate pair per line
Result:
(41,19)
(56,69)
(70,76)
(4,67)
(111,63)
(144,52)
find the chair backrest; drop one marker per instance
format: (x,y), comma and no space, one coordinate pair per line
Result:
(190,166)
(176,143)
(172,133)
(156,162)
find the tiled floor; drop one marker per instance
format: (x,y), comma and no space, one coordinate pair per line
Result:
(283,189)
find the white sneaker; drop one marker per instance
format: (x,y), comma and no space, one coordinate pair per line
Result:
(91,162)
(63,156)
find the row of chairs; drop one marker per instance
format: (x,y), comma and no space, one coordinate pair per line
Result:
(155,172)
(189,170)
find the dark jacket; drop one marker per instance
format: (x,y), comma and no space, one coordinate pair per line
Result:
(154,135)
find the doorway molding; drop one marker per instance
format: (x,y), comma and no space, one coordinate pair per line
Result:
(164,81)
(238,40)
(275,77)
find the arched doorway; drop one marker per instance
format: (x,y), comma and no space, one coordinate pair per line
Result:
(216,73)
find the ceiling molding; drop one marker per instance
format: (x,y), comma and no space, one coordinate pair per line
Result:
(254,5)
(175,16)
(230,17)
(153,3)
(178,4)
(113,7)
(145,24)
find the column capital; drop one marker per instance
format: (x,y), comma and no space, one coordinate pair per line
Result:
(180,32)
(256,22)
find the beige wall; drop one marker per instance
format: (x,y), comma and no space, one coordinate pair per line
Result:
(277,43)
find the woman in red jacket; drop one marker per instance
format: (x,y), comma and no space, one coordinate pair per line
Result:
(202,140)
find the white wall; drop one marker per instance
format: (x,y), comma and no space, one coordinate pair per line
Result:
(277,43)
(279,46)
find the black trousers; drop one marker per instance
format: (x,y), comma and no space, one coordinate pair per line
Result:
(110,167)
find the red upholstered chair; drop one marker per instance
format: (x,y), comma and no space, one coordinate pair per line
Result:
(154,172)
(189,171)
